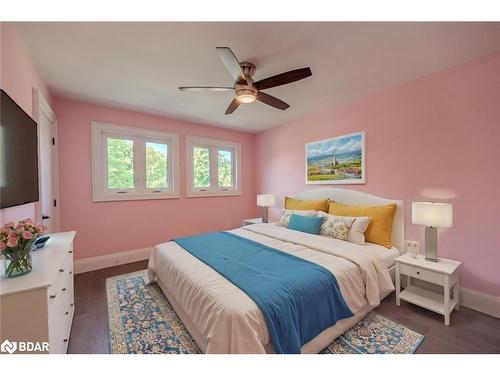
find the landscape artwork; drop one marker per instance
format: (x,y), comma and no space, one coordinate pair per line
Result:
(339,160)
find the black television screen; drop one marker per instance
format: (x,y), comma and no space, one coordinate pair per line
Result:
(18,154)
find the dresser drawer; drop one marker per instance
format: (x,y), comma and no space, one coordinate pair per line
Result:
(60,325)
(419,273)
(62,284)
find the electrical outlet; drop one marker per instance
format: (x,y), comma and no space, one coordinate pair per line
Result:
(411,245)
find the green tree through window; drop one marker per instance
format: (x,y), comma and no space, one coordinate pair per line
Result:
(120,163)
(225,169)
(201,166)
(156,165)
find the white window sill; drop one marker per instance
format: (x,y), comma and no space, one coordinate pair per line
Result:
(213,194)
(134,197)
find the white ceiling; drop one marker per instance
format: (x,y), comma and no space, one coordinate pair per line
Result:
(140,65)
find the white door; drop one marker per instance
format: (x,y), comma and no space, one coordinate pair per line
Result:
(48,166)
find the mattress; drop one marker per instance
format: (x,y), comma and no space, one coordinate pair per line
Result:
(223,319)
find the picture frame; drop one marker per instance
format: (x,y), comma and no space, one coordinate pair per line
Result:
(337,160)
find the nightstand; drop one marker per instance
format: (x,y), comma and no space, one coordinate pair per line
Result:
(251,221)
(443,273)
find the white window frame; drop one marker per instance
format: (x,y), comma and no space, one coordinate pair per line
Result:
(214,145)
(100,191)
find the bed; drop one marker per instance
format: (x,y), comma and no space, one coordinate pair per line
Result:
(224,319)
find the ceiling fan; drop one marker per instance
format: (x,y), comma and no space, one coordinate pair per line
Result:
(245,89)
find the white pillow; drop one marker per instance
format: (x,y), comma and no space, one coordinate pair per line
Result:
(287,214)
(357,227)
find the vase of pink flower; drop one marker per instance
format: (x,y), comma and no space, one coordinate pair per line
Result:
(16,242)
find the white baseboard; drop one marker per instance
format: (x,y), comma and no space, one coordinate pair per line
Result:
(110,260)
(482,302)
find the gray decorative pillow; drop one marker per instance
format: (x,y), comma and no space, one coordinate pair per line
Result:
(287,214)
(336,226)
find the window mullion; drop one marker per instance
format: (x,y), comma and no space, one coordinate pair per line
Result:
(214,169)
(139,164)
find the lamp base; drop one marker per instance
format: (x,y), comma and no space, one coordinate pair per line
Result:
(265,214)
(431,244)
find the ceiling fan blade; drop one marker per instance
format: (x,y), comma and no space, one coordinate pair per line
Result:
(231,62)
(232,106)
(271,100)
(283,78)
(205,88)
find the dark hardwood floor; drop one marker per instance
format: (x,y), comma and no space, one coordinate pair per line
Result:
(469,332)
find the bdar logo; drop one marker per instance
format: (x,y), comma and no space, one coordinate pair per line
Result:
(8,346)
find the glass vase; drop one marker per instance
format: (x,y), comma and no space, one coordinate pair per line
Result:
(17,262)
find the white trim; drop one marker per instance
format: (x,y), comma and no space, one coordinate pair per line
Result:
(213,190)
(110,260)
(100,193)
(479,301)
(40,105)
(341,182)
(355,197)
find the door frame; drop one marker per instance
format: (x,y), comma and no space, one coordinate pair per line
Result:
(40,105)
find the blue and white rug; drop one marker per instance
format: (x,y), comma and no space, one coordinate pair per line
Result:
(141,320)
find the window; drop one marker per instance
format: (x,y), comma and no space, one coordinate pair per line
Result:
(132,163)
(213,167)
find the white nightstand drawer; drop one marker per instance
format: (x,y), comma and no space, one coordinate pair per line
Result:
(422,274)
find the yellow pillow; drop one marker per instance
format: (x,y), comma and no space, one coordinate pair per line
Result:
(296,204)
(379,230)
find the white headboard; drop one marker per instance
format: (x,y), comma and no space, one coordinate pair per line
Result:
(354,197)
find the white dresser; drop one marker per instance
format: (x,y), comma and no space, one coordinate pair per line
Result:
(38,307)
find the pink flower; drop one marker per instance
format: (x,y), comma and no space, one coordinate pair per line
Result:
(3,246)
(27,235)
(12,241)
(9,224)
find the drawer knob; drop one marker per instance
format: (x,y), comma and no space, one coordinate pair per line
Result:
(53,295)
(70,251)
(61,270)
(70,272)
(418,272)
(67,312)
(63,289)
(65,340)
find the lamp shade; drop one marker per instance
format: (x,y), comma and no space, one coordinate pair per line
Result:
(266,200)
(439,215)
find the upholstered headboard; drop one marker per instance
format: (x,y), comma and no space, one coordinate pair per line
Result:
(354,197)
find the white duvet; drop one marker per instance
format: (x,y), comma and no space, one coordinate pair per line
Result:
(223,319)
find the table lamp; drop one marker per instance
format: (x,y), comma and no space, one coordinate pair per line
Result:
(265,201)
(433,216)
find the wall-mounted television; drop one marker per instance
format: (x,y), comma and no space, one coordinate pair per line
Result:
(18,154)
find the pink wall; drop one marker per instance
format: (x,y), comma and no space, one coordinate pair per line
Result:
(107,227)
(436,138)
(18,77)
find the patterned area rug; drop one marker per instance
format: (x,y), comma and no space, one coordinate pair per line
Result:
(141,320)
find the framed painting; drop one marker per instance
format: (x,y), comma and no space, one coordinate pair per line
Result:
(339,160)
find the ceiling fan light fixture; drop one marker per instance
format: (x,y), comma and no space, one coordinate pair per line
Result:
(246,96)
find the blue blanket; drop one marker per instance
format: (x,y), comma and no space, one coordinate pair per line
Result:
(299,299)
